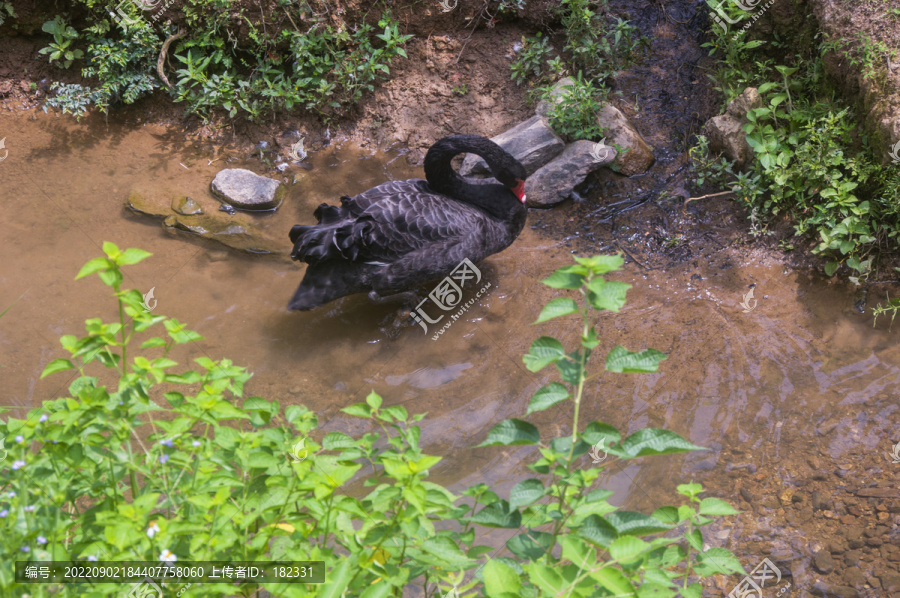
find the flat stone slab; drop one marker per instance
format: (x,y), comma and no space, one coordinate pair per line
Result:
(239,231)
(533,143)
(246,190)
(554,182)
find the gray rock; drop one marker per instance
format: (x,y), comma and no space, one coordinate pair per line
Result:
(532,143)
(890,582)
(835,591)
(725,131)
(823,561)
(820,502)
(247,190)
(186,206)
(851,558)
(855,576)
(554,182)
(617,129)
(741,105)
(544,106)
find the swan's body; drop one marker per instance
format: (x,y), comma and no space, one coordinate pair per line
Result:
(400,234)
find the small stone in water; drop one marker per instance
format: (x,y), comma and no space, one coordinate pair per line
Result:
(282,167)
(186,206)
(226,208)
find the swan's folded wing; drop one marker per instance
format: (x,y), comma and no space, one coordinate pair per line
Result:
(397,224)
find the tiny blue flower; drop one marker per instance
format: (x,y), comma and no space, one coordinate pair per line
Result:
(195,443)
(163,459)
(43,418)
(25,549)
(56,442)
(18,464)
(4,512)
(167,442)
(92,558)
(30,508)
(41,540)
(11,493)
(20,439)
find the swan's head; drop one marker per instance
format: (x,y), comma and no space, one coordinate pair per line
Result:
(513,176)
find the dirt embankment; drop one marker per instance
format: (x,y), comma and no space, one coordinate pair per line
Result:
(865,66)
(456,79)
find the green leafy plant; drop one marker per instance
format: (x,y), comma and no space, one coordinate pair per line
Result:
(531,58)
(574,113)
(6,7)
(166,460)
(891,306)
(809,162)
(64,37)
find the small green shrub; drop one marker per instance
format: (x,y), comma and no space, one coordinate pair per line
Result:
(810,164)
(530,60)
(6,7)
(143,459)
(574,113)
(60,48)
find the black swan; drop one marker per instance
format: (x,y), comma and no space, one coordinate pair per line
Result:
(400,234)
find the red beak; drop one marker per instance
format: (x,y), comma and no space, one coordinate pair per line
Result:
(519,190)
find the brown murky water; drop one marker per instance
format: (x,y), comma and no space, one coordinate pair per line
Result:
(801,377)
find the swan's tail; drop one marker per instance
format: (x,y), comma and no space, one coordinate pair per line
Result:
(327,282)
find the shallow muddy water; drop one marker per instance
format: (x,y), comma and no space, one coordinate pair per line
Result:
(799,394)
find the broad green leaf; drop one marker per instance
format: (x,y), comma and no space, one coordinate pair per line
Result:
(543,351)
(526,492)
(690,490)
(716,506)
(358,410)
(95,265)
(654,590)
(608,295)
(575,550)
(654,441)
(597,530)
(373,400)
(601,264)
(131,256)
(512,432)
(561,306)
(500,578)
(564,280)
(614,580)
(627,549)
(337,441)
(447,551)
(498,514)
(337,579)
(57,365)
(547,397)
(718,561)
(111,250)
(635,524)
(622,360)
(546,578)
(530,545)
(597,431)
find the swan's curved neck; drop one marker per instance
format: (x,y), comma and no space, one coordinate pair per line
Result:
(442,178)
